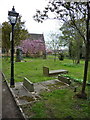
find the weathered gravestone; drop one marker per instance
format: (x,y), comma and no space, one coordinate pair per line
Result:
(46,71)
(28,85)
(19,55)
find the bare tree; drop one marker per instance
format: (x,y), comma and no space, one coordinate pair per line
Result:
(54,44)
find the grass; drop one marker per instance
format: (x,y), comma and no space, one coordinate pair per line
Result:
(59,103)
(32,69)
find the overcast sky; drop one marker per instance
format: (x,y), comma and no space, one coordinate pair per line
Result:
(27,8)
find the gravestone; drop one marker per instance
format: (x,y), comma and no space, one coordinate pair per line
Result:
(28,85)
(46,71)
(19,55)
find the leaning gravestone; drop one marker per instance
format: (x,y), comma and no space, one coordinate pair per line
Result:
(28,85)
(19,55)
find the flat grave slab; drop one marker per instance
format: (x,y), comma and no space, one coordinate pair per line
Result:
(48,72)
(57,71)
(23,96)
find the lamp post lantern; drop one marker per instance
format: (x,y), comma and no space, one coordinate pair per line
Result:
(12,16)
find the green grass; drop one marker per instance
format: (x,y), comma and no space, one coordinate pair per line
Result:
(33,68)
(58,104)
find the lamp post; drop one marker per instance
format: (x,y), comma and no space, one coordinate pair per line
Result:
(12,16)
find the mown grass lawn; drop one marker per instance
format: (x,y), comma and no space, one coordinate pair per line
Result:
(59,103)
(33,68)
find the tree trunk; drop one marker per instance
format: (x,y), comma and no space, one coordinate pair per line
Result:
(55,56)
(70,49)
(78,61)
(78,56)
(44,55)
(85,69)
(83,94)
(87,52)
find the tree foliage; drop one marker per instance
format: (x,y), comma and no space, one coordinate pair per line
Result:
(33,47)
(55,43)
(71,11)
(19,33)
(65,11)
(73,40)
(6,30)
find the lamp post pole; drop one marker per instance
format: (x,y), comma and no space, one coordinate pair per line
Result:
(13,15)
(12,58)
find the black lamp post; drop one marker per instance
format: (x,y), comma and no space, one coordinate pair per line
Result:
(12,16)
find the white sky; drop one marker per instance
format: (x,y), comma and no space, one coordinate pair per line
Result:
(27,8)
